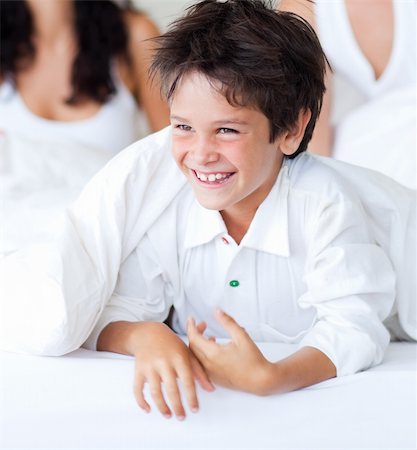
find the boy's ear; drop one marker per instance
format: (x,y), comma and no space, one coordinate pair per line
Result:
(290,140)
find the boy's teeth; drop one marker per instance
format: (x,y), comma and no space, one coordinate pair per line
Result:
(211,176)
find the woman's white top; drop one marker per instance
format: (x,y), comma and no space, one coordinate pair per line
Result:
(112,128)
(327,253)
(347,59)
(44,164)
(381,133)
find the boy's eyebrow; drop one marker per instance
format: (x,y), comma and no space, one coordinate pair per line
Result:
(180,119)
(217,122)
(232,121)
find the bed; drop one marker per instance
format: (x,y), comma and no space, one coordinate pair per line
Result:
(84,400)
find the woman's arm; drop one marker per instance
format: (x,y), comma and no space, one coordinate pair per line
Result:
(147,92)
(322,140)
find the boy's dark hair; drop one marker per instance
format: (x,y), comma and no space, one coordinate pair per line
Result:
(258,56)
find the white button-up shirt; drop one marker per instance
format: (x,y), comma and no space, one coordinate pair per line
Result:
(316,266)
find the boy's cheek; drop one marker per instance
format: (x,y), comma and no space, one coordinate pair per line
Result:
(177,152)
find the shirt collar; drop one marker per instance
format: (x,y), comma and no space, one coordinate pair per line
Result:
(268,231)
(203,225)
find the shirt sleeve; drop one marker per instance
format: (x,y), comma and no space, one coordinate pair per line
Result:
(351,284)
(142,292)
(53,294)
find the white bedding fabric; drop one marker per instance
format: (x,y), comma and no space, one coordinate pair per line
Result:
(84,401)
(38,180)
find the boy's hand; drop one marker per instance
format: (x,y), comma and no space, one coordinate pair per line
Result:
(238,364)
(162,358)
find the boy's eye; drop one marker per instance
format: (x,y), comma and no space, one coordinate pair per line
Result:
(183,127)
(227,131)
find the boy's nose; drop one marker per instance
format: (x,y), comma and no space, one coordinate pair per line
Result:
(204,152)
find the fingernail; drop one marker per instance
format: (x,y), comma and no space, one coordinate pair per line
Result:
(167,415)
(194,409)
(180,417)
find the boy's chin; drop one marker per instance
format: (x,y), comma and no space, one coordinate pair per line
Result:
(210,203)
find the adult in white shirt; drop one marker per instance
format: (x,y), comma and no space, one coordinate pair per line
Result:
(371,45)
(74,91)
(285,243)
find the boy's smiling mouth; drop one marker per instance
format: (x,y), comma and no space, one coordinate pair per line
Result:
(213,178)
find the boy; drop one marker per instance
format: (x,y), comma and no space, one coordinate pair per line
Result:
(262,243)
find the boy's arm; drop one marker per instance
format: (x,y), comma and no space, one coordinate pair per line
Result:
(52,294)
(240,364)
(131,324)
(349,282)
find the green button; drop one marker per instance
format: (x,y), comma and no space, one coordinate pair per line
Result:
(234,283)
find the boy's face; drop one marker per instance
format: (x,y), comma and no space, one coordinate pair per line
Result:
(223,150)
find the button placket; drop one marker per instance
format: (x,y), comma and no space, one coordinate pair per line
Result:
(240,288)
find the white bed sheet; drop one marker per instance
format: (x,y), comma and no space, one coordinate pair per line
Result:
(84,401)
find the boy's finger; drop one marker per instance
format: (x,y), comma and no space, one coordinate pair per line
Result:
(198,345)
(173,394)
(201,375)
(191,327)
(138,391)
(196,338)
(201,327)
(197,353)
(157,396)
(192,331)
(235,331)
(185,374)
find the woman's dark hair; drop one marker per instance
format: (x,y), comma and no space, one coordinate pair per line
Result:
(101,34)
(253,54)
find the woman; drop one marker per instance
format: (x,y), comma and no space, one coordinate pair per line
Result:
(77,69)
(372,46)
(73,87)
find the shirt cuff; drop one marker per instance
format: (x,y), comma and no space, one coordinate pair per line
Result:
(350,349)
(108,316)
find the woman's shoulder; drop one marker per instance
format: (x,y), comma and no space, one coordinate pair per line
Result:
(303,8)
(140,27)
